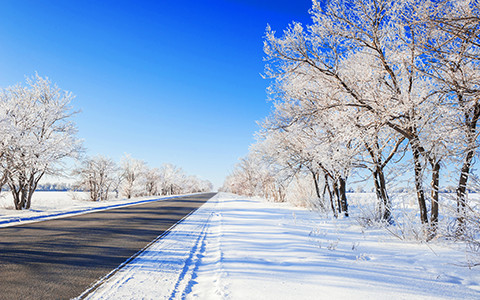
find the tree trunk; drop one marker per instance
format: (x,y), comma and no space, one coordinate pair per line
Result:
(343,195)
(31,187)
(93,191)
(462,193)
(384,208)
(435,199)
(418,184)
(315,181)
(376,184)
(317,190)
(17,191)
(387,213)
(336,191)
(465,171)
(28,202)
(23,197)
(332,201)
(16,196)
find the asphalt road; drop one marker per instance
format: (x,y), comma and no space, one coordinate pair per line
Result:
(59,259)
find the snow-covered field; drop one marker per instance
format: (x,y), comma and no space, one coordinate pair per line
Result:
(239,248)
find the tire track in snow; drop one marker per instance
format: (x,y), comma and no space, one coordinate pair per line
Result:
(186,264)
(212,281)
(102,280)
(187,276)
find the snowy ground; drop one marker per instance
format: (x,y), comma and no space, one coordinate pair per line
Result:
(239,248)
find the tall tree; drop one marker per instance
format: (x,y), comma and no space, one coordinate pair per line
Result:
(361,55)
(452,29)
(40,135)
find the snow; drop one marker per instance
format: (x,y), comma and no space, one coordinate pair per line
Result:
(240,248)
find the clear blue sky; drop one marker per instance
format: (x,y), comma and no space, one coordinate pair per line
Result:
(166,81)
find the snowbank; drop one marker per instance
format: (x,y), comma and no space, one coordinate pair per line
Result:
(239,248)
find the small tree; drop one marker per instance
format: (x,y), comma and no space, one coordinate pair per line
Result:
(97,176)
(172,180)
(152,181)
(132,172)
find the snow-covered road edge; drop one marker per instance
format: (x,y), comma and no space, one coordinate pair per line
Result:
(177,253)
(102,280)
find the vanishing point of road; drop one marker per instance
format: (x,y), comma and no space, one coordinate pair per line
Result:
(59,259)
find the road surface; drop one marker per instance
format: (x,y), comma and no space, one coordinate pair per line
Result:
(59,259)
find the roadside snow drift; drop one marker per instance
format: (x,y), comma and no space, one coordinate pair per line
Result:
(239,248)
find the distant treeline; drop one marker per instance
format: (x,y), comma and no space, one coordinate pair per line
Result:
(49,187)
(57,187)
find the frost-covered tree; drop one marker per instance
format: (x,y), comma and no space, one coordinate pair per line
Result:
(315,145)
(452,31)
(37,133)
(362,57)
(380,146)
(245,178)
(133,175)
(193,184)
(5,132)
(205,186)
(152,181)
(172,179)
(97,176)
